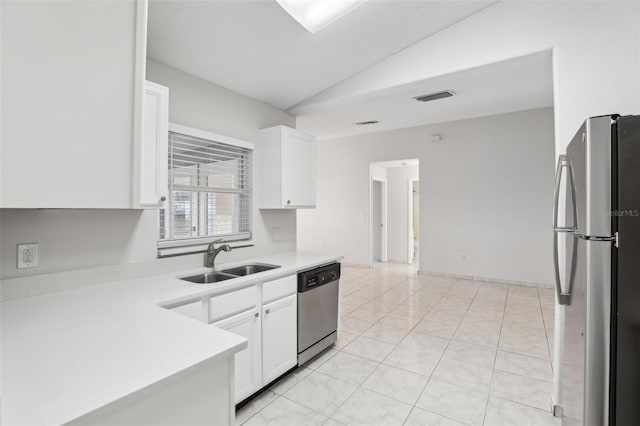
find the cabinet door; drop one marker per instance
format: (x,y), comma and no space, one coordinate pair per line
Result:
(279,337)
(248,372)
(154,146)
(68,87)
(299,169)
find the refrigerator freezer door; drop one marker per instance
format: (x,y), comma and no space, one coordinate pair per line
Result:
(590,156)
(586,337)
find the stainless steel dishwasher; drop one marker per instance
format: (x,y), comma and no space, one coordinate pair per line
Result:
(317,310)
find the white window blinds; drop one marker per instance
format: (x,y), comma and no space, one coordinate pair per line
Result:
(210,192)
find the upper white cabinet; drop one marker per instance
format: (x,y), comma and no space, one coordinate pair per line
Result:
(72,76)
(285,169)
(153,154)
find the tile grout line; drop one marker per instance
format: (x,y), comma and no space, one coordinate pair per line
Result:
(417,288)
(360,385)
(546,335)
(546,339)
(493,369)
(413,407)
(443,352)
(381,362)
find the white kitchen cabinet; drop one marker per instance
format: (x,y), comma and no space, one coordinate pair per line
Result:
(266,315)
(69,102)
(285,169)
(248,369)
(279,337)
(153,154)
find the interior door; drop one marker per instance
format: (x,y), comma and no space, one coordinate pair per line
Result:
(248,374)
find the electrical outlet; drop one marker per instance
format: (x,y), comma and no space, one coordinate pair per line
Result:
(27,255)
(462,255)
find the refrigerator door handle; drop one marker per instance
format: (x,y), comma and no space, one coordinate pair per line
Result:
(564,297)
(564,163)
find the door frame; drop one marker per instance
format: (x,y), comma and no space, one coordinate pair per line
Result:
(410,235)
(383,218)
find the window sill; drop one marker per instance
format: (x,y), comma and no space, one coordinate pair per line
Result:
(168,250)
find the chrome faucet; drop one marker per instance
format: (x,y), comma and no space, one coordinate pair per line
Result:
(212,252)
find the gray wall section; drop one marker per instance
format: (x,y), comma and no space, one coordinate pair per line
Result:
(76,239)
(486,191)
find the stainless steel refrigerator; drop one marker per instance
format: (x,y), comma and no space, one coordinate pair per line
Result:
(597,226)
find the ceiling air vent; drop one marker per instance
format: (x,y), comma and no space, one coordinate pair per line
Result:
(435,96)
(366,123)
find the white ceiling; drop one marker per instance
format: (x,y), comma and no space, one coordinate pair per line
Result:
(257,49)
(514,85)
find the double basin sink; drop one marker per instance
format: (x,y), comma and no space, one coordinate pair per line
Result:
(230,273)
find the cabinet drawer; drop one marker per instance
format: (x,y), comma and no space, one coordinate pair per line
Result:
(279,288)
(232,303)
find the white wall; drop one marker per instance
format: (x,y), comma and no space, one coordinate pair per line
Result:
(378,172)
(398,190)
(485,190)
(75,239)
(596,48)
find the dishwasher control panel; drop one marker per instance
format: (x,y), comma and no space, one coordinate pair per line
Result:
(307,280)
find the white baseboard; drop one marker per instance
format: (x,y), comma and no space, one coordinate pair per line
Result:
(398,261)
(485,279)
(355,265)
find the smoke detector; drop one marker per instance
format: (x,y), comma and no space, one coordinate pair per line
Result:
(435,96)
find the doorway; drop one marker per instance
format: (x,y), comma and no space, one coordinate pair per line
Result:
(378,221)
(391,223)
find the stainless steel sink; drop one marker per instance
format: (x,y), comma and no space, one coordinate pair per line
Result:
(209,277)
(253,268)
(227,274)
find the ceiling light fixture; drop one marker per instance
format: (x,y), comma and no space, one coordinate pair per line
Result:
(366,123)
(434,96)
(314,15)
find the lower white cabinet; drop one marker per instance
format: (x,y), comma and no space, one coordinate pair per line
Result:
(248,371)
(279,337)
(267,318)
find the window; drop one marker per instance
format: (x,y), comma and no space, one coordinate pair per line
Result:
(209,192)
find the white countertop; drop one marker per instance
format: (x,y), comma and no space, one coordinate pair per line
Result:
(67,354)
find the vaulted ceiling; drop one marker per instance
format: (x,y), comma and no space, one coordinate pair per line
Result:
(255,48)
(513,85)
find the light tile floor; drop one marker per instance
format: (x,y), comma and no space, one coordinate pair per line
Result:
(423,350)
